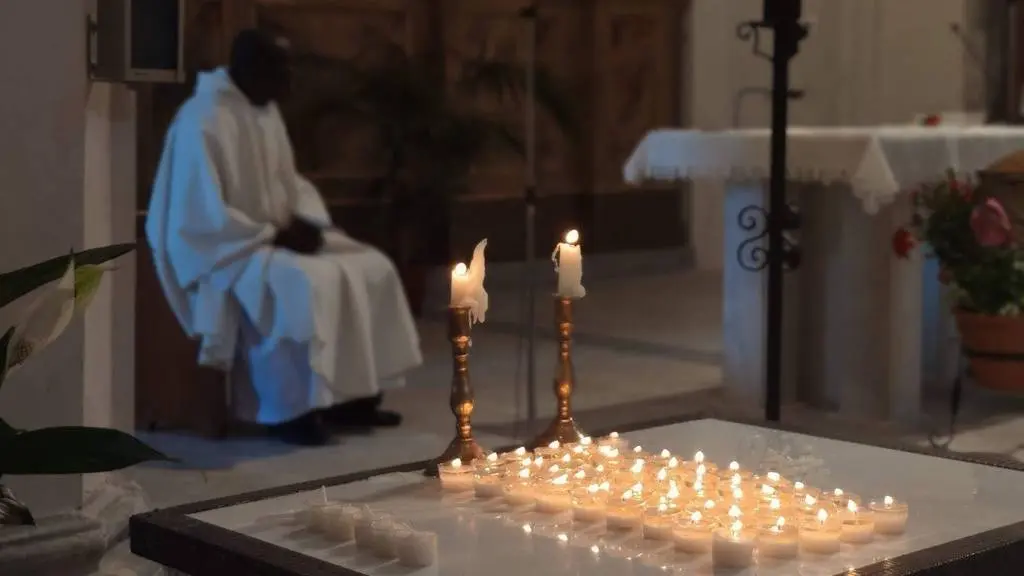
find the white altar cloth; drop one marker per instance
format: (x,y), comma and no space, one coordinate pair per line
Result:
(863,329)
(877,162)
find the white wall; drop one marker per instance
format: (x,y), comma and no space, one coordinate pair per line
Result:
(65,181)
(864,62)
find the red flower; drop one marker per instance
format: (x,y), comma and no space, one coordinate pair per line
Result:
(903,242)
(990,224)
(932,120)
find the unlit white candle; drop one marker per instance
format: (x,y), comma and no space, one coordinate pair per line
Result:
(417,549)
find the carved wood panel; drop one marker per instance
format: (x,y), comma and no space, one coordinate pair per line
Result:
(638,77)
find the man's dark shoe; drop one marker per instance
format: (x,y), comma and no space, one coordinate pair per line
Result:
(308,430)
(361,414)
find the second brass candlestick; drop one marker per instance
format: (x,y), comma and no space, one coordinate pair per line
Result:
(563,427)
(463,446)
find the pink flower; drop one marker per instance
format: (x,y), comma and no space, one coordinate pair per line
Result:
(990,224)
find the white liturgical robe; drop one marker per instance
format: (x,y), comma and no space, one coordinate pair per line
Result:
(297,332)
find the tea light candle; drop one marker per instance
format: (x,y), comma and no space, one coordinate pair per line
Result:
(417,549)
(800,490)
(342,526)
(890,516)
(613,440)
(778,541)
(809,505)
(857,527)
(772,510)
(454,476)
(589,503)
(732,547)
(552,451)
(840,498)
(626,514)
(660,522)
(554,498)
(320,515)
(364,535)
(694,535)
(487,484)
(522,491)
(385,532)
(820,535)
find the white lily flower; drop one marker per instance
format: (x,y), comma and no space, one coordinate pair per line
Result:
(45,320)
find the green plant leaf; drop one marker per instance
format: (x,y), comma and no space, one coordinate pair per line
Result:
(17,283)
(73,450)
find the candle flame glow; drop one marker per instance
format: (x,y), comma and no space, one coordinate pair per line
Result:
(662,507)
(673,490)
(736,527)
(612,453)
(837,492)
(539,461)
(775,504)
(586,441)
(701,470)
(673,462)
(810,500)
(566,458)
(593,488)
(524,473)
(581,474)
(554,468)
(767,490)
(737,494)
(614,435)
(736,480)
(572,237)
(594,549)
(780,522)
(606,486)
(735,512)
(698,486)
(851,506)
(638,466)
(599,469)
(798,485)
(822,516)
(456,463)
(627,495)
(774,476)
(665,453)
(520,452)
(578,449)
(698,457)
(638,487)
(492,457)
(888,501)
(561,480)
(662,474)
(563,537)
(709,505)
(695,518)
(527,528)
(638,449)
(734,466)
(460,270)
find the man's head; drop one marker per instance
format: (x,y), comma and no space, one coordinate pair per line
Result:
(259,67)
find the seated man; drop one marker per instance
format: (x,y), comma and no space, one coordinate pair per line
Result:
(311,324)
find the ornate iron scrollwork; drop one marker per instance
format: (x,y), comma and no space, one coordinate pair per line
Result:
(751,254)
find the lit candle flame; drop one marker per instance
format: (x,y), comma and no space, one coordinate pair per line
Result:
(798,485)
(614,435)
(767,490)
(698,457)
(593,488)
(561,480)
(698,486)
(673,490)
(734,466)
(554,445)
(709,505)
(524,473)
(737,494)
(599,469)
(662,508)
(572,237)
(520,452)
(837,492)
(736,527)
(460,270)
(612,453)
(673,462)
(822,516)
(527,461)
(810,500)
(492,457)
(888,501)
(735,512)
(701,470)
(638,487)
(595,550)
(774,476)
(581,474)
(662,475)
(775,504)
(695,518)
(627,495)
(578,449)
(665,453)
(780,522)
(527,528)
(538,461)
(586,441)
(606,486)
(851,506)
(554,468)
(638,449)
(736,480)
(563,537)
(638,466)
(457,463)
(566,458)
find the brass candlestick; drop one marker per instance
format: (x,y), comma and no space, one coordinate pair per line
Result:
(463,446)
(563,428)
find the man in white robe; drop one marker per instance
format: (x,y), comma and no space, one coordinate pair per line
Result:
(311,324)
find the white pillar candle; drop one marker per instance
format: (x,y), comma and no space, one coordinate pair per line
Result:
(820,535)
(568,261)
(455,476)
(462,286)
(858,527)
(732,547)
(693,536)
(890,516)
(778,541)
(417,549)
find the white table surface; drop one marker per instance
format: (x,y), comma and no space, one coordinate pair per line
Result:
(948,500)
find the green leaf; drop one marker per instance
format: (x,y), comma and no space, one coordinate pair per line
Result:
(17,283)
(5,343)
(73,450)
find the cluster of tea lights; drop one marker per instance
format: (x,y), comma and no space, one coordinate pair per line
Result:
(731,513)
(385,537)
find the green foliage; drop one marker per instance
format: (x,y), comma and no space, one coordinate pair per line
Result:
(72,449)
(984,279)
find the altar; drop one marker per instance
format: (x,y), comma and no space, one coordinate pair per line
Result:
(863,329)
(924,513)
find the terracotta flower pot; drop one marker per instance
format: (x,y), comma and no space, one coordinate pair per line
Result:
(994,346)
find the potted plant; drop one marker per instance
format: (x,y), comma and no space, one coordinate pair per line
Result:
(73,281)
(970,234)
(426,129)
